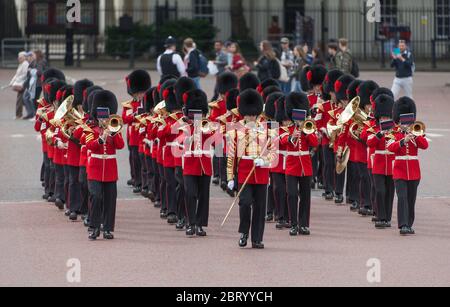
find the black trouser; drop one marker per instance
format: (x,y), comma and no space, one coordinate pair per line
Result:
(156,180)
(60,183)
(104,198)
(136,165)
(47,162)
(373,192)
(299,187)
(364,185)
(66,185)
(320,168)
(271,206)
(180,191)
(171,185)
(253,197)
(84,191)
(384,190)
(406,194)
(340,182)
(315,164)
(130,161)
(216,167)
(197,199)
(353,179)
(329,169)
(144,171)
(162,187)
(74,189)
(150,174)
(52,176)
(223,169)
(41,176)
(280,196)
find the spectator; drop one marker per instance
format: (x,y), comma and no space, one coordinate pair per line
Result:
(221,62)
(332,53)
(267,65)
(309,57)
(41,65)
(344,58)
(192,60)
(30,87)
(403,62)
(317,57)
(300,61)
(170,62)
(287,60)
(237,64)
(18,81)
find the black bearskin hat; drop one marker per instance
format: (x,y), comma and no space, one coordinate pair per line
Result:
(296,101)
(63,93)
(248,81)
(104,99)
(231,99)
(138,81)
(53,73)
(316,75)
(164,86)
(269,107)
(170,99)
(365,90)
(404,105)
(87,99)
(306,85)
(280,107)
(341,85)
(378,92)
(352,89)
(52,89)
(149,102)
(383,106)
(195,100)
(226,82)
(269,90)
(331,77)
(183,85)
(267,83)
(250,103)
(78,90)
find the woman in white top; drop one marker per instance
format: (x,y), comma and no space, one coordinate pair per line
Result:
(17,82)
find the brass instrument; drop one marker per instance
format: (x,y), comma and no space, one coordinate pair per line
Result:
(160,108)
(65,129)
(417,129)
(333,131)
(308,127)
(49,136)
(114,124)
(359,117)
(214,104)
(42,112)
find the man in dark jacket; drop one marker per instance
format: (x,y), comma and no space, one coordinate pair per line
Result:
(403,63)
(192,61)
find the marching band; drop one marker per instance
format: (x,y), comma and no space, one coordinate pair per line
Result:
(265,149)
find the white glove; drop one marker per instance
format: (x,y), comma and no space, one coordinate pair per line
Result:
(231,185)
(60,144)
(259,162)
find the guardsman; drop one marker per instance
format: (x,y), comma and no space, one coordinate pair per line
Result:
(278,167)
(327,149)
(299,141)
(183,85)
(103,142)
(382,159)
(248,153)
(74,148)
(58,144)
(167,135)
(248,81)
(406,171)
(138,82)
(81,133)
(340,89)
(197,160)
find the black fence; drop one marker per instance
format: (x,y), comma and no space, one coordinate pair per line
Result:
(427,31)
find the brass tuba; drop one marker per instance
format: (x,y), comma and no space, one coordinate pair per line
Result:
(359,117)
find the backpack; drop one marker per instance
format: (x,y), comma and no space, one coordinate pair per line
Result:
(355,69)
(284,77)
(203,69)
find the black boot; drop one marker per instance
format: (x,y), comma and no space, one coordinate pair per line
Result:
(404,231)
(380,224)
(231,193)
(243,240)
(73,216)
(304,231)
(144,192)
(151,196)
(172,219)
(294,230)
(224,186)
(281,224)
(354,207)
(269,217)
(180,225)
(94,234)
(339,199)
(137,190)
(51,199)
(157,204)
(328,196)
(190,231)
(257,245)
(107,235)
(200,232)
(215,181)
(59,204)
(163,214)
(130,182)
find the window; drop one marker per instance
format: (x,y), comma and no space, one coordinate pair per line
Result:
(443,19)
(61,13)
(389,19)
(40,13)
(203,9)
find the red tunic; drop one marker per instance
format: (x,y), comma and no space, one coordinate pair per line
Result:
(382,159)
(298,161)
(167,136)
(102,163)
(129,118)
(197,160)
(406,163)
(60,154)
(220,110)
(279,165)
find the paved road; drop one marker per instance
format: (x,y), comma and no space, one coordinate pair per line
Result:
(36,241)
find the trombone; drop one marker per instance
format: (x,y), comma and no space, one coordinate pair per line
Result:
(114,124)
(308,127)
(418,128)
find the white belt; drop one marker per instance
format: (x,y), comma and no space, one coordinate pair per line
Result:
(249,157)
(298,153)
(173,144)
(199,153)
(383,152)
(282,152)
(103,157)
(403,158)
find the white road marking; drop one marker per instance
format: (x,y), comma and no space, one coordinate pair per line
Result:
(17,136)
(435,135)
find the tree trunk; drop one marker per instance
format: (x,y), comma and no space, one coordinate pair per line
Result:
(239,29)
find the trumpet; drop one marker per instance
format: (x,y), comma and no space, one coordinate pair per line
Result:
(114,124)
(417,129)
(308,127)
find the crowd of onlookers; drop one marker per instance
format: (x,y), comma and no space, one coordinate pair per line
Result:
(27,82)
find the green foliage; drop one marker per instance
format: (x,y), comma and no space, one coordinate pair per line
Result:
(117,40)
